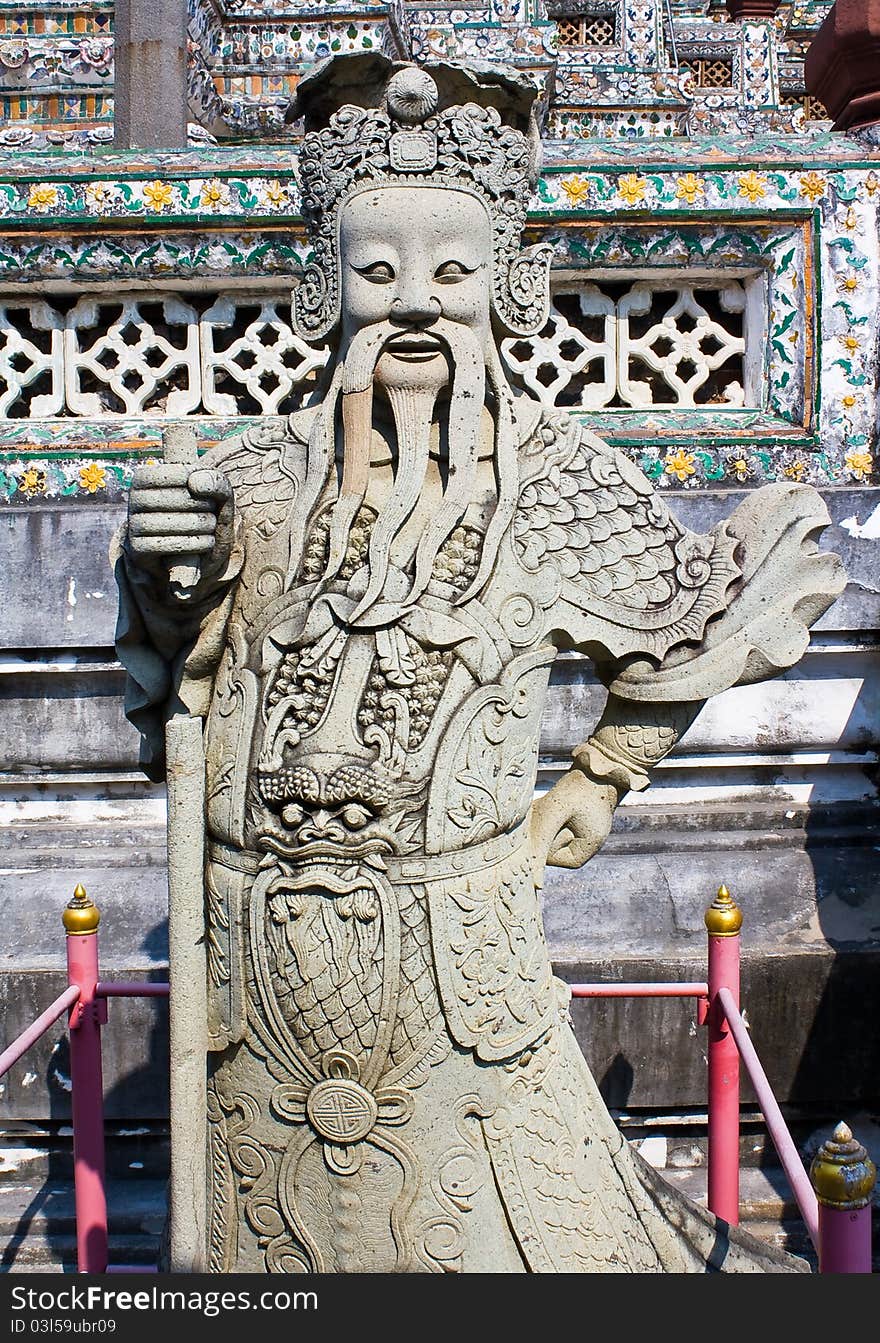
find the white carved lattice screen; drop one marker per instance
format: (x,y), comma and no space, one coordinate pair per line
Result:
(682,342)
(640,342)
(151,355)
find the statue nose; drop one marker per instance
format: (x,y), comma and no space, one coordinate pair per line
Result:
(416,304)
(321,826)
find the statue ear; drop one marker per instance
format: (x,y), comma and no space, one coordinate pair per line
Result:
(522,291)
(315,308)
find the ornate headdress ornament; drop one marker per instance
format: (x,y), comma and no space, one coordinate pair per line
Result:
(372,122)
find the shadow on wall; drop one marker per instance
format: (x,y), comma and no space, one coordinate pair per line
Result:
(839,1066)
(616,1082)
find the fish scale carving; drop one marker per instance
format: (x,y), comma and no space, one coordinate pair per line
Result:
(328,1000)
(418,1008)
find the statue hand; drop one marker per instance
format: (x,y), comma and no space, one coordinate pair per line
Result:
(571,822)
(179,513)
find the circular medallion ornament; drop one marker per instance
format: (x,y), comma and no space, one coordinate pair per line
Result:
(341,1111)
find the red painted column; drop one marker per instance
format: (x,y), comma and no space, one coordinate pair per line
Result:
(843,1177)
(842,65)
(87,1015)
(723,922)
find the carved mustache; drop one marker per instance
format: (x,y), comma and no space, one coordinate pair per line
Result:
(331,881)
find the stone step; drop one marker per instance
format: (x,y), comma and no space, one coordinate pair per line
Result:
(38,1225)
(767,1206)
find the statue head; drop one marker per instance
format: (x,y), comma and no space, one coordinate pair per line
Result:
(415,185)
(372,123)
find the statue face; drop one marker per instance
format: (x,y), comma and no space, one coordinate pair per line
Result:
(410,255)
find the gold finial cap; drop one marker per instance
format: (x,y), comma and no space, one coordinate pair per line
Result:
(842,1173)
(723,917)
(80,914)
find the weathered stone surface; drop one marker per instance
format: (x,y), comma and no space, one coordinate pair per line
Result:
(370,650)
(135,1050)
(49,545)
(150,108)
(59,556)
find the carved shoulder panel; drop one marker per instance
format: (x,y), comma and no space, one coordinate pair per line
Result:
(484,775)
(265,466)
(630,577)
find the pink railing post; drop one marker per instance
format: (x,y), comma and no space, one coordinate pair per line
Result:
(87,1015)
(723,922)
(843,1178)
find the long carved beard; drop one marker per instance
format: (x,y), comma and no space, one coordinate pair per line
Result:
(412,397)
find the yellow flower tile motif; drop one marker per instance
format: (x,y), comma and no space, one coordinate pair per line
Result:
(872,183)
(739,467)
(859,463)
(42,197)
(158,195)
(850,343)
(688,188)
(632,188)
(577,189)
(752,186)
(98,194)
(794,471)
(680,464)
(847,284)
(214,194)
(812,186)
(32,482)
(848,401)
(92,477)
(273,195)
(851,221)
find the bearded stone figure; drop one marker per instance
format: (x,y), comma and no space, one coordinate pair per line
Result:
(362,607)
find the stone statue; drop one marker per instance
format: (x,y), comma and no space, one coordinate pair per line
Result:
(363,606)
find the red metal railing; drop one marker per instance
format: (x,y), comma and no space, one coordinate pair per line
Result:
(85,999)
(839,1223)
(838,1220)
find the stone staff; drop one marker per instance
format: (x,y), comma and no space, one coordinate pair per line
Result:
(188,999)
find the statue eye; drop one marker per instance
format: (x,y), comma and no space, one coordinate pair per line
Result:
(292,814)
(355,817)
(378,272)
(452,271)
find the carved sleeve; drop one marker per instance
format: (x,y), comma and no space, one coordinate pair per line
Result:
(166,652)
(171,650)
(630,739)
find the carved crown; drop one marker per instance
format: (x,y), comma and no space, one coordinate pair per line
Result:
(372,122)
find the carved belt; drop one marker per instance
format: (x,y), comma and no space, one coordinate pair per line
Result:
(240,860)
(457,862)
